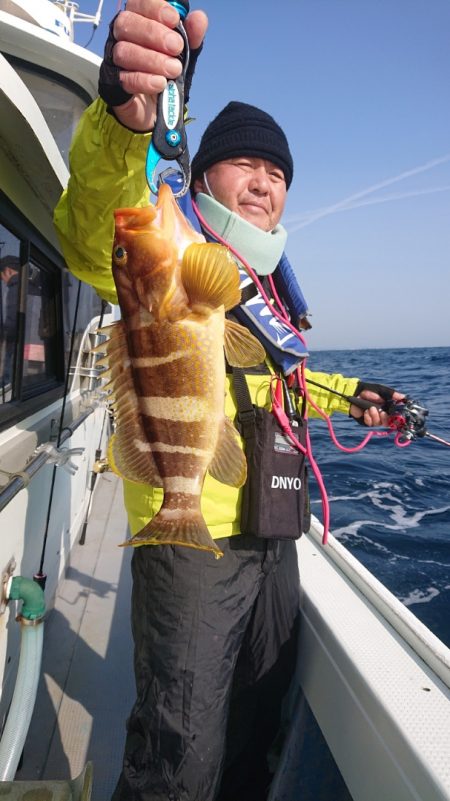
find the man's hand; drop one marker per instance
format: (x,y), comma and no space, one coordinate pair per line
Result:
(379,394)
(141,55)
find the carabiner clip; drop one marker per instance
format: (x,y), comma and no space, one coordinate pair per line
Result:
(169,141)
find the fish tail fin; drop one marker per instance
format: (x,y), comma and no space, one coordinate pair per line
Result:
(190,531)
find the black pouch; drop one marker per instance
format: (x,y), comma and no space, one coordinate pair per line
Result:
(275,499)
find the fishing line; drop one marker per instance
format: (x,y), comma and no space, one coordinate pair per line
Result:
(98,452)
(40,576)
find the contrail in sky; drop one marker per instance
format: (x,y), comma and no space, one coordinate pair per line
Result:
(350,202)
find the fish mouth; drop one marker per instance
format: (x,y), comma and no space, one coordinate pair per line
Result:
(165,217)
(167,211)
(172,222)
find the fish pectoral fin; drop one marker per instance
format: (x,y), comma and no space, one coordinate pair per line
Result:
(210,275)
(242,349)
(229,464)
(128,461)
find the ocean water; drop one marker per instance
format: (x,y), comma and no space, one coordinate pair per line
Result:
(390,506)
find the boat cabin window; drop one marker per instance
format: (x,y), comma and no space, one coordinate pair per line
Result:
(9,308)
(60,101)
(39,350)
(30,358)
(47,319)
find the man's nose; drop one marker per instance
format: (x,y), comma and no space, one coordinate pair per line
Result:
(259,181)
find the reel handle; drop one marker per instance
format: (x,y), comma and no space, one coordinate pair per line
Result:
(363,404)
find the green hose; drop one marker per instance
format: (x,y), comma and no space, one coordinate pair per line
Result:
(28,591)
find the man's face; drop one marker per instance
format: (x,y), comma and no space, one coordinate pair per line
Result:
(253,188)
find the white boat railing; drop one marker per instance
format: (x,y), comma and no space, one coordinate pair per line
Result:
(20,479)
(429,647)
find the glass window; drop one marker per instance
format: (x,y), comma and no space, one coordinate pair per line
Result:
(40,345)
(61,106)
(9,308)
(31,359)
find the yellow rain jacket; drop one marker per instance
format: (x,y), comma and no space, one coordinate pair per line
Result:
(107,172)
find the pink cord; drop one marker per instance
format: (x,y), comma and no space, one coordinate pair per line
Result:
(276,407)
(279,413)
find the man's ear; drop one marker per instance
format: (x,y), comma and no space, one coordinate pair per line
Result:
(199,186)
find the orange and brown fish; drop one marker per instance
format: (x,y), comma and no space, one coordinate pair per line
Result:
(167,367)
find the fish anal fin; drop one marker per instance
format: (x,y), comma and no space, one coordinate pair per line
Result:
(242,349)
(229,464)
(210,275)
(128,461)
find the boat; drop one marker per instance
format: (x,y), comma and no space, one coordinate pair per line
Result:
(368,716)
(53,427)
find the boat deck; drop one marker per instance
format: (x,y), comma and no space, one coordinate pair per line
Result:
(359,674)
(87,684)
(86,688)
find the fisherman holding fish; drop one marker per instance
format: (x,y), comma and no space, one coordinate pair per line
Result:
(215,638)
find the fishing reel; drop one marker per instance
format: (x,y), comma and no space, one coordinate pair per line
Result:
(408,418)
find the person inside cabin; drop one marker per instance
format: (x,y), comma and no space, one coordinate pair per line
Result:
(215,639)
(9,275)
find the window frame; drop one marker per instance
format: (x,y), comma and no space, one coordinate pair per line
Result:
(36,250)
(62,80)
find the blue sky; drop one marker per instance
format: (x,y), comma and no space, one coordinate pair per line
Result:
(361,88)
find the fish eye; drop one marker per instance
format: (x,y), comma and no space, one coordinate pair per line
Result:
(120,255)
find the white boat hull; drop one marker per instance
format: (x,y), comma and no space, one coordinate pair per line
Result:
(376,680)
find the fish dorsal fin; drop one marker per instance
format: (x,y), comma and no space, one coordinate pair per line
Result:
(242,349)
(210,276)
(229,464)
(129,453)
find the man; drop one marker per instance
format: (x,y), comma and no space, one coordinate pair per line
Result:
(215,640)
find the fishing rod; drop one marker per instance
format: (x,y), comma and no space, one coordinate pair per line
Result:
(406,416)
(169,141)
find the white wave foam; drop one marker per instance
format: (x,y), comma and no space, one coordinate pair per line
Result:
(420,596)
(396,512)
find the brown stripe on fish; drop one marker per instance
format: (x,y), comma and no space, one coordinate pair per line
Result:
(175,432)
(182,465)
(163,341)
(170,374)
(158,339)
(175,379)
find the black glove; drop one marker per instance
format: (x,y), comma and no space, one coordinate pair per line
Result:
(380,389)
(109,86)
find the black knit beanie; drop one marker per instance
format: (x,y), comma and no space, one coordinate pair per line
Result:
(243,130)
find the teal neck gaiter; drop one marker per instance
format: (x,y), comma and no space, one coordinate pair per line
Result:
(262,249)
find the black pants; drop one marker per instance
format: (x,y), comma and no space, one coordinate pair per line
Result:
(215,649)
